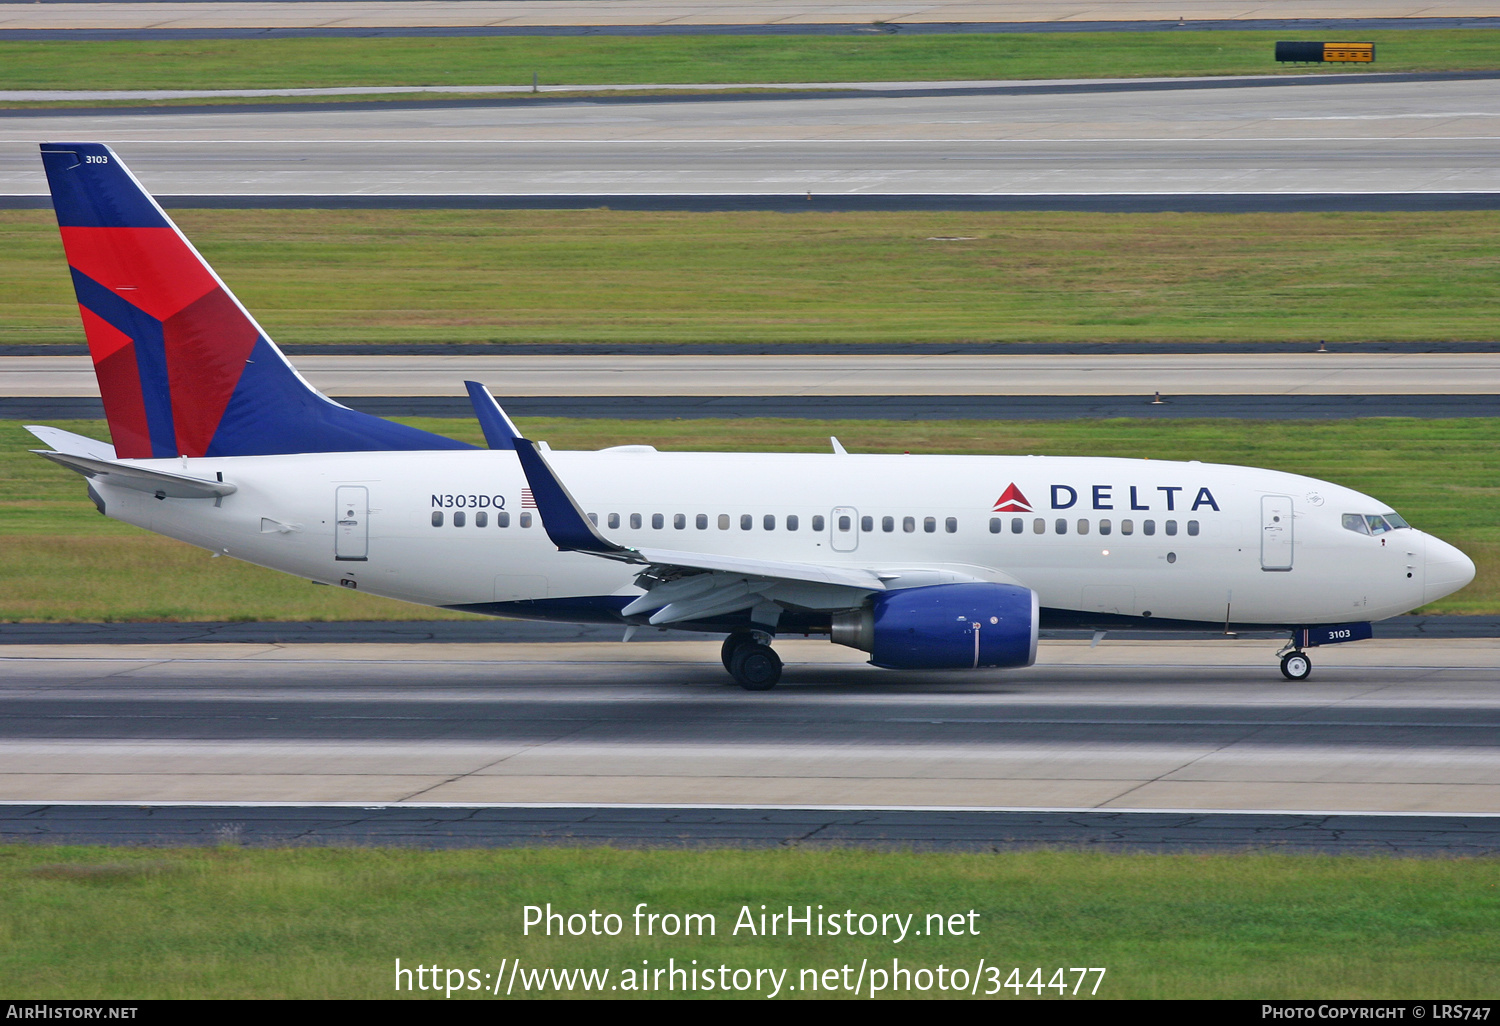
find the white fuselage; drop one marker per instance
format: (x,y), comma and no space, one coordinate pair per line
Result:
(1139,538)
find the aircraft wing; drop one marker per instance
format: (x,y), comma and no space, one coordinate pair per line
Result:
(692,585)
(572,531)
(157,482)
(808,573)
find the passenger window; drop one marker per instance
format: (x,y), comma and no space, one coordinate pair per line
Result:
(817,523)
(887,524)
(723,521)
(994,525)
(845,522)
(502,519)
(481,519)
(929,524)
(525,520)
(635,521)
(1083,527)
(701,521)
(1193,528)
(1039,526)
(593,518)
(1062,526)
(458,519)
(1148,527)
(1105,527)
(658,521)
(1127,527)
(437,518)
(1356,523)
(908,524)
(1017,525)
(867,523)
(614,520)
(768,522)
(1171,527)
(951,525)
(746,521)
(791,521)
(679,521)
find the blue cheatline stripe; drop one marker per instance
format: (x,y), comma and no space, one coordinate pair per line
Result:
(150,357)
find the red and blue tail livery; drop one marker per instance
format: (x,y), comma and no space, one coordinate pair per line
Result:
(183,369)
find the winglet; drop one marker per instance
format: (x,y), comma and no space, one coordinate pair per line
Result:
(497,427)
(562,518)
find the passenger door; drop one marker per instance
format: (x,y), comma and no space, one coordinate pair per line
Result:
(351,532)
(1276,532)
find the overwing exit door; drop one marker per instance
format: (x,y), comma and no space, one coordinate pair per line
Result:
(351,532)
(843,529)
(1275,532)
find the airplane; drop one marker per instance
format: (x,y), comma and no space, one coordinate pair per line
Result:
(924,562)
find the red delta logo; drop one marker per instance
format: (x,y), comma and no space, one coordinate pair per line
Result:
(1012,501)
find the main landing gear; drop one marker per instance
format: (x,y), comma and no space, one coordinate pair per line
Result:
(1295,665)
(751,661)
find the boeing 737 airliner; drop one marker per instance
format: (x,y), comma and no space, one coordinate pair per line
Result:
(922,561)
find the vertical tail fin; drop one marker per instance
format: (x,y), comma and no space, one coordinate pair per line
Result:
(183,368)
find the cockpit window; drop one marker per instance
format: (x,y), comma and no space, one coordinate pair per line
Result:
(1368,523)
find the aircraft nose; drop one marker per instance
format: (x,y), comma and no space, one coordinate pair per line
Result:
(1447,570)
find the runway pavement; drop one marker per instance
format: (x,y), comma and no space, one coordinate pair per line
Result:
(42,409)
(376,14)
(1299,374)
(617,826)
(1383,726)
(1350,137)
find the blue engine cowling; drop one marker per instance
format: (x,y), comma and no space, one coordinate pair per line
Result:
(945,626)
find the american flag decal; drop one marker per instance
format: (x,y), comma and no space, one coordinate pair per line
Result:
(528,501)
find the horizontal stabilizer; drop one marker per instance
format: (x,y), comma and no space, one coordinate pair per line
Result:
(157,482)
(62,441)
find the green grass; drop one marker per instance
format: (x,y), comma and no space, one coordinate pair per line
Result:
(61,561)
(281,63)
(315,923)
(600,276)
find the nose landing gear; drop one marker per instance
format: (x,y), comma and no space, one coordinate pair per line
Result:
(1295,665)
(751,661)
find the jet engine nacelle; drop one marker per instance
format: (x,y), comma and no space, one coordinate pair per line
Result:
(943,627)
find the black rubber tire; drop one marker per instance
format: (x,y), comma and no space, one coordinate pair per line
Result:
(731,645)
(1296,666)
(756,667)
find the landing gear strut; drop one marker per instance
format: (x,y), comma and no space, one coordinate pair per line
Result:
(1295,665)
(752,662)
